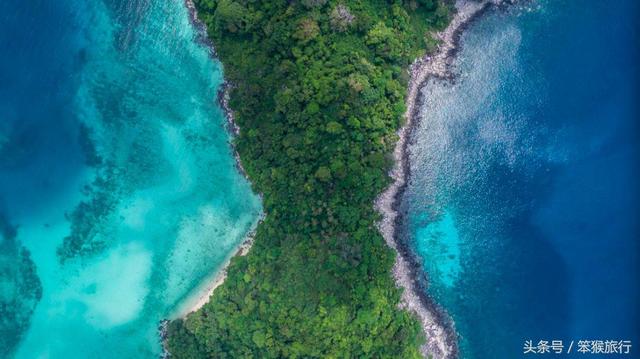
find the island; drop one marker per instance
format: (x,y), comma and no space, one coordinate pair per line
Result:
(316,92)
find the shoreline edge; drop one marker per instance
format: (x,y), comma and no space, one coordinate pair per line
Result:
(201,294)
(438,327)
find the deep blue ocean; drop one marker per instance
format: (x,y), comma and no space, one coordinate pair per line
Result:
(523,202)
(119,194)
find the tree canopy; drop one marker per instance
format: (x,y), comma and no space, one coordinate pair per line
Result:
(318,93)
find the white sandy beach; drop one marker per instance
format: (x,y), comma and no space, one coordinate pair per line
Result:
(203,293)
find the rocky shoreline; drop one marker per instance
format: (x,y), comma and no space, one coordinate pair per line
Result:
(223,92)
(441,336)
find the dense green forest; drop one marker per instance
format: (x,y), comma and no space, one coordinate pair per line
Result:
(318,92)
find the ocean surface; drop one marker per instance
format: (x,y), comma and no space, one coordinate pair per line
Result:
(523,203)
(119,195)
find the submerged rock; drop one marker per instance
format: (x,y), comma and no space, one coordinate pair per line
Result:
(20,289)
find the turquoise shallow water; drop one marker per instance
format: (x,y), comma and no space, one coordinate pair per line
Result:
(117,181)
(523,203)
